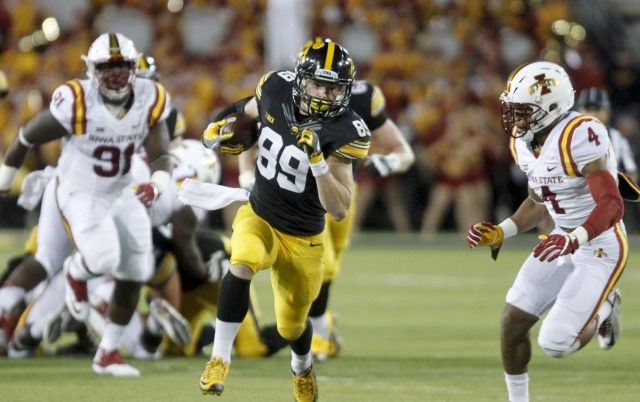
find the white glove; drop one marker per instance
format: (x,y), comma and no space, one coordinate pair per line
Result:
(218,266)
(382,165)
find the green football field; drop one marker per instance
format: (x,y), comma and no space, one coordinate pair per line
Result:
(420,322)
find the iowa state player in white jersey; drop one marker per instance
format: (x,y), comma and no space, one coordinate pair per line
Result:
(571,173)
(103,121)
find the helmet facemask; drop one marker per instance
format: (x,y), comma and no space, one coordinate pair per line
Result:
(114,78)
(308,95)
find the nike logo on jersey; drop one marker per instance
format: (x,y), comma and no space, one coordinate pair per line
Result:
(551,168)
(315,244)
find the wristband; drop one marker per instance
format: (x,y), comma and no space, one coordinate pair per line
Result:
(509,228)
(160,179)
(7,174)
(319,168)
(581,234)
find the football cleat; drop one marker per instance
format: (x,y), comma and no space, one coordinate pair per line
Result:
(111,363)
(305,387)
(76,296)
(172,322)
(323,348)
(611,328)
(55,324)
(212,379)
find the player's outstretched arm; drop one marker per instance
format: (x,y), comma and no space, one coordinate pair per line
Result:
(42,128)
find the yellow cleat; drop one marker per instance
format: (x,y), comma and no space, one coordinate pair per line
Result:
(212,380)
(305,387)
(323,348)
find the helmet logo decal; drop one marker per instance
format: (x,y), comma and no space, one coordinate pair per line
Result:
(543,83)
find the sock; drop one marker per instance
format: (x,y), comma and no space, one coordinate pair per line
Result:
(223,341)
(10,296)
(517,387)
(319,305)
(320,325)
(153,326)
(111,336)
(300,363)
(302,345)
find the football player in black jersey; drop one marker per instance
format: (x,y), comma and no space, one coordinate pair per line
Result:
(392,155)
(308,140)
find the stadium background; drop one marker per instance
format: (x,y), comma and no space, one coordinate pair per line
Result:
(419,315)
(441,64)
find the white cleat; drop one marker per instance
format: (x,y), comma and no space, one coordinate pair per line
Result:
(172,322)
(611,328)
(111,363)
(76,295)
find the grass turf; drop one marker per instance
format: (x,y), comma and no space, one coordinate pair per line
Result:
(419,321)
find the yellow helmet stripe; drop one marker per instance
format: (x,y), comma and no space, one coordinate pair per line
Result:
(158,106)
(568,165)
(114,45)
(329,60)
(78,117)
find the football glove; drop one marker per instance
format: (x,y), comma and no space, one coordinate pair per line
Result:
(217,266)
(378,165)
(556,245)
(485,234)
(309,142)
(213,138)
(147,193)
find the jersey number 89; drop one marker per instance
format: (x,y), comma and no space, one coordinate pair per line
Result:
(289,167)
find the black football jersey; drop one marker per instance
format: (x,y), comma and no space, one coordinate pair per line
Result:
(368,102)
(285,194)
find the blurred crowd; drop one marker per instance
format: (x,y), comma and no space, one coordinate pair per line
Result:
(441,64)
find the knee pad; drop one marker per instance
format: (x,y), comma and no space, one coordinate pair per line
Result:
(291,332)
(102,262)
(557,340)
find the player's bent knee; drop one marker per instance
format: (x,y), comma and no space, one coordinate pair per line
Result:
(102,263)
(291,332)
(557,341)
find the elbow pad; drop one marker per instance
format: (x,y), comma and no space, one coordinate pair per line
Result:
(609,205)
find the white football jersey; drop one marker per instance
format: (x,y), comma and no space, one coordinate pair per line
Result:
(554,173)
(96,156)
